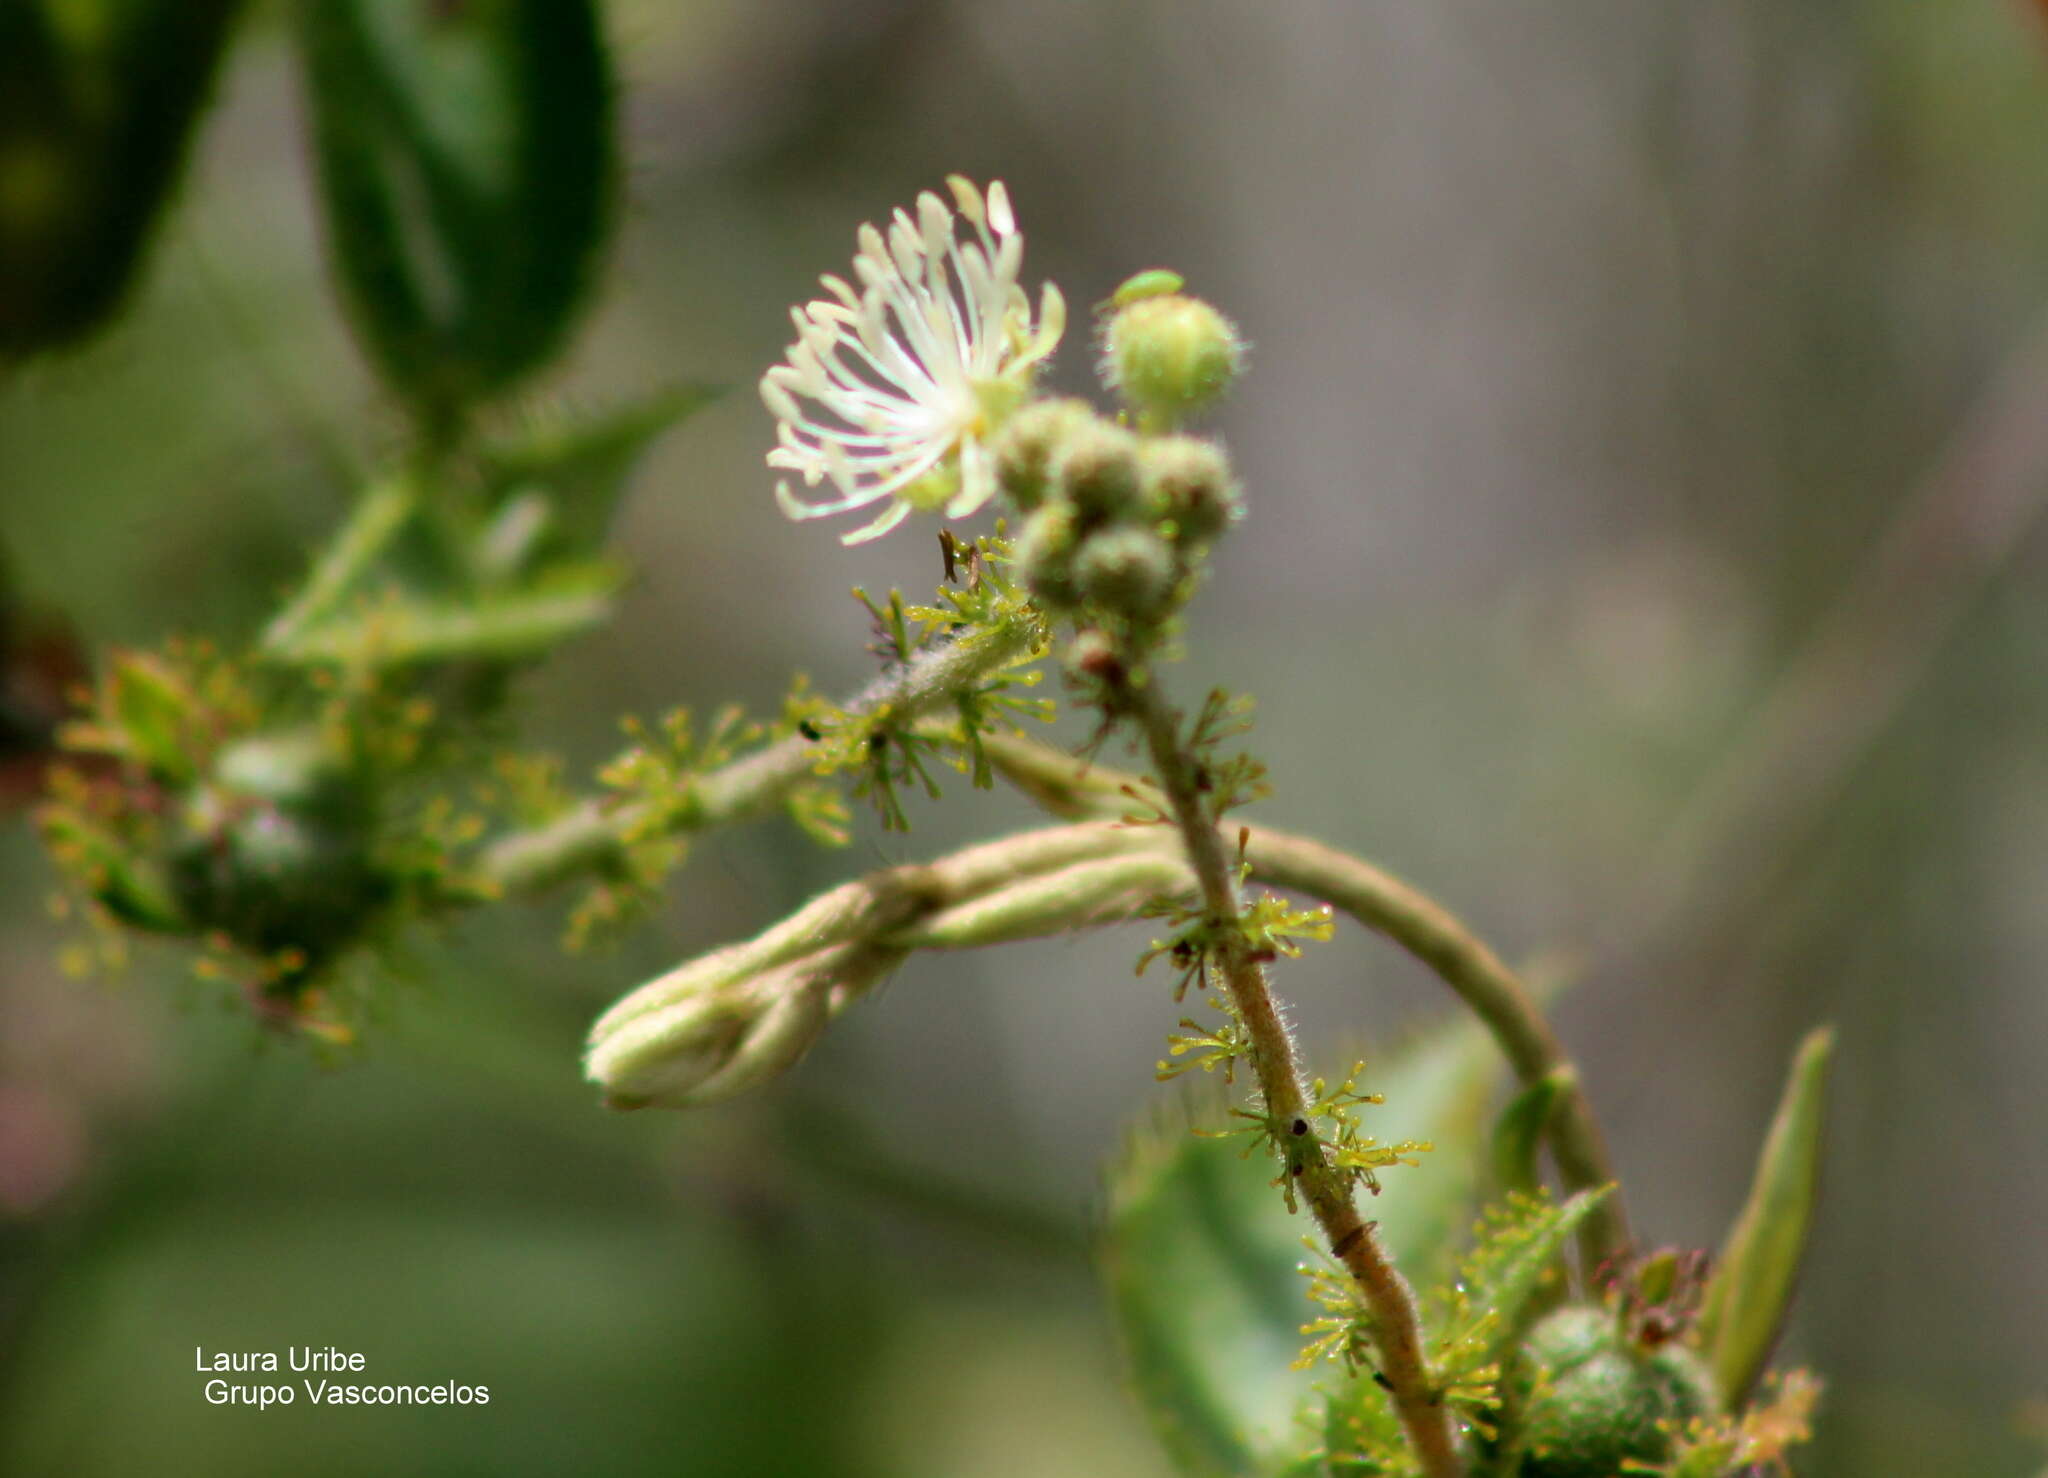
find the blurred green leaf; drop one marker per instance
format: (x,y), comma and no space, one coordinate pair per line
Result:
(154,716)
(97,107)
(581,466)
(1748,1294)
(1202,1257)
(131,889)
(506,627)
(1518,1133)
(466,169)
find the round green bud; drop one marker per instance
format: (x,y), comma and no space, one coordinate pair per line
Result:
(274,849)
(1130,571)
(1187,482)
(1044,555)
(1096,470)
(1028,444)
(1607,1401)
(1171,356)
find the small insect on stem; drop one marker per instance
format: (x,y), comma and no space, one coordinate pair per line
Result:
(960,554)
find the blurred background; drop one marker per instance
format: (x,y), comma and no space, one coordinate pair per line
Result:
(1646,443)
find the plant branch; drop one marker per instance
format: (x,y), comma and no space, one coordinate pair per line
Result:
(595,833)
(1400,912)
(1496,995)
(1352,1240)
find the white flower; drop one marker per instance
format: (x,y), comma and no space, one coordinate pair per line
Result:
(911,375)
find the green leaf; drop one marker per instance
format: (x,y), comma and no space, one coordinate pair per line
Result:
(98,104)
(156,716)
(131,888)
(1202,1257)
(581,466)
(382,511)
(1518,1133)
(1516,1276)
(494,628)
(466,169)
(1751,1288)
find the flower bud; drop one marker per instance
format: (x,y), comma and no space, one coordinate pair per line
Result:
(1607,1403)
(1029,442)
(1129,571)
(1171,356)
(1045,555)
(1187,481)
(1097,471)
(713,1037)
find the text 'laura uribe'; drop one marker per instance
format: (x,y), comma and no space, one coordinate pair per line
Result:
(313,1364)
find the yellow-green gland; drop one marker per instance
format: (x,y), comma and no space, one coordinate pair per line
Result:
(1186,481)
(1029,443)
(1129,571)
(1606,1402)
(1170,357)
(1044,555)
(1096,470)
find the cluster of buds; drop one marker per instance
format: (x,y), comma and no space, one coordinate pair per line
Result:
(1114,520)
(1118,519)
(181,813)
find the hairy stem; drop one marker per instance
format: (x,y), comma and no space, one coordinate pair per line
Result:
(1352,1240)
(1400,912)
(1423,927)
(594,834)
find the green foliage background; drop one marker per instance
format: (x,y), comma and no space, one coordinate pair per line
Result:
(1595,349)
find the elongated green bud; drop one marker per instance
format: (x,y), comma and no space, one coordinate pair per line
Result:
(723,1037)
(1106,890)
(1752,1285)
(466,167)
(732,1019)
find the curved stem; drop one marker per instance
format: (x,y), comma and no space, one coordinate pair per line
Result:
(1424,928)
(594,834)
(1402,913)
(1327,1189)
